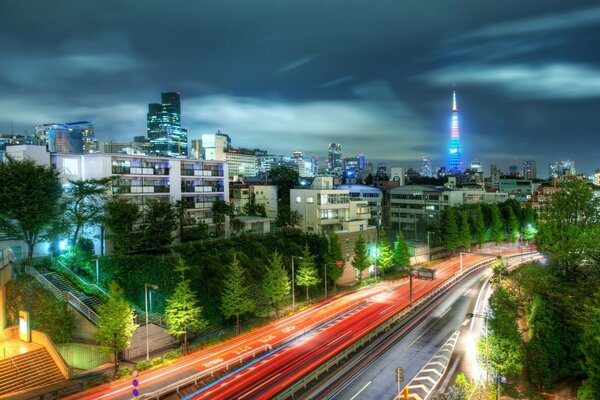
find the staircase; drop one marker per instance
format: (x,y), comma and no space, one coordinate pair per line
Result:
(27,371)
(64,285)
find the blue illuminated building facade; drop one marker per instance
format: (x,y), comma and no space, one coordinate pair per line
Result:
(455,164)
(164,127)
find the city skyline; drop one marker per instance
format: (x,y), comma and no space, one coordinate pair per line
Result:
(521,72)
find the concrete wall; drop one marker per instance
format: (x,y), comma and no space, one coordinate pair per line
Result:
(158,339)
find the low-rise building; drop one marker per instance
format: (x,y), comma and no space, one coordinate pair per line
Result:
(265,195)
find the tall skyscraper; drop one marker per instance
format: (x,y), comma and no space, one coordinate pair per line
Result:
(455,164)
(314,161)
(560,169)
(335,157)
(529,169)
(426,167)
(164,126)
(71,137)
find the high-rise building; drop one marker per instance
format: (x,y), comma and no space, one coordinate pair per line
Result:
(455,164)
(362,165)
(214,145)
(68,138)
(335,157)
(477,166)
(597,177)
(560,169)
(529,169)
(164,126)
(513,170)
(495,174)
(314,161)
(426,167)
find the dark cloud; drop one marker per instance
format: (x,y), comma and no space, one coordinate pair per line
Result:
(374,76)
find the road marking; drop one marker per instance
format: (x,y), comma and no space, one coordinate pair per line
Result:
(413,342)
(259,386)
(338,338)
(467,292)
(360,391)
(445,312)
(466,322)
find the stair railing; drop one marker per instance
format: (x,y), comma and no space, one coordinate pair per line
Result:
(68,271)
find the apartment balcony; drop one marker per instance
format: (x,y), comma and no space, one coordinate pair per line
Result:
(329,221)
(201,172)
(139,171)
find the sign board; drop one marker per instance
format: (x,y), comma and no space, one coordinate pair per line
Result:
(400,374)
(339,264)
(24,326)
(502,379)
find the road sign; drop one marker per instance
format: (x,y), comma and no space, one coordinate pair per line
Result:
(339,264)
(400,374)
(502,379)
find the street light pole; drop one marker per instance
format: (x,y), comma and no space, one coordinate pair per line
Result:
(325,280)
(97,272)
(146,302)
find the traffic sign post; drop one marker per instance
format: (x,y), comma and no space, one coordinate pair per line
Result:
(399,377)
(500,379)
(135,383)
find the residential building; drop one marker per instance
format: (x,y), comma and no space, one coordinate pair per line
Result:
(164,126)
(214,146)
(324,208)
(397,174)
(518,189)
(597,177)
(266,195)
(372,195)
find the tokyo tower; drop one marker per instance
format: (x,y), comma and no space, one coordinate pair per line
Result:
(455,165)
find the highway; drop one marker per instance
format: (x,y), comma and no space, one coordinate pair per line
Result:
(279,369)
(416,347)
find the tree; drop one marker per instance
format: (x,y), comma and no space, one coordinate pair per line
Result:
(183,313)
(285,178)
(465,230)
(591,347)
(29,201)
(307,274)
(276,283)
(160,221)
(221,210)
(253,209)
(115,323)
(121,218)
(184,219)
(235,296)
(84,201)
(479,226)
(360,262)
(334,255)
(513,225)
(497,225)
(450,228)
(287,217)
(385,253)
(401,254)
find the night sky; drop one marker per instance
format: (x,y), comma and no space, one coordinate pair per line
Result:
(376,76)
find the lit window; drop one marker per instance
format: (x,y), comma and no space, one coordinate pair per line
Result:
(298,199)
(310,200)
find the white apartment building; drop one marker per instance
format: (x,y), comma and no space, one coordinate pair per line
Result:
(324,208)
(263,194)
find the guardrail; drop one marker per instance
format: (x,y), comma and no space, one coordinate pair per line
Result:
(62,295)
(7,256)
(78,278)
(175,387)
(383,327)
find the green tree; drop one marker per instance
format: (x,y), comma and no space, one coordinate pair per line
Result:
(276,283)
(497,225)
(513,225)
(252,208)
(84,201)
(385,253)
(466,239)
(591,347)
(29,201)
(185,221)
(285,178)
(221,210)
(307,274)
(115,323)
(360,262)
(121,218)
(334,255)
(235,296)
(183,312)
(450,228)
(160,221)
(479,226)
(286,218)
(401,254)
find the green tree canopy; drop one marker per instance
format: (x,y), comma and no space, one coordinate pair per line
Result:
(401,254)
(235,297)
(451,229)
(29,201)
(287,218)
(221,210)
(307,274)
(497,224)
(160,221)
(253,209)
(385,253)
(334,255)
(115,323)
(276,283)
(121,218)
(480,231)
(285,178)
(466,239)
(512,224)
(84,201)
(183,312)
(361,257)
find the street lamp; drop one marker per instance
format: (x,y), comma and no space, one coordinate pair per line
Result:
(155,287)
(293,283)
(487,353)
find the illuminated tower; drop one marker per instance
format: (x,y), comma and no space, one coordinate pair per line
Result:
(455,165)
